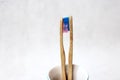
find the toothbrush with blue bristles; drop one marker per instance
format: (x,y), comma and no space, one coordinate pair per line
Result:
(66,25)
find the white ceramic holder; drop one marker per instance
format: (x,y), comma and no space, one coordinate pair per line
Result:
(78,73)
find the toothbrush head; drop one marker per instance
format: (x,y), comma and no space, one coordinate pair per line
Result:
(66,27)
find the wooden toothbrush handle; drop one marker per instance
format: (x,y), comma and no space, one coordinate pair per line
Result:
(62,52)
(70,57)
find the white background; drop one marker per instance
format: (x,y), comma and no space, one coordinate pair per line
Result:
(29,37)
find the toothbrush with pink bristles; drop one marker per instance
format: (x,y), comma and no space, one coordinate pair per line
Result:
(66,24)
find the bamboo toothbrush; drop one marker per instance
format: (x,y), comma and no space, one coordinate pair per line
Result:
(62,51)
(70,50)
(64,27)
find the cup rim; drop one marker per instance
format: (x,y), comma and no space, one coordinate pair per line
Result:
(77,66)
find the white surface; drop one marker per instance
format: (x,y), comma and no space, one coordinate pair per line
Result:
(29,37)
